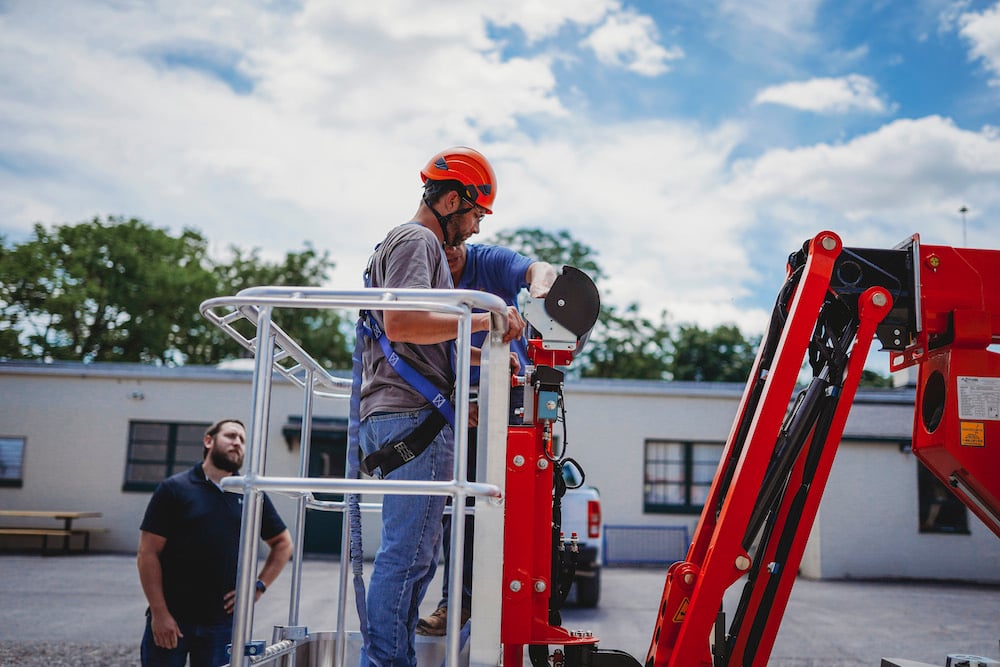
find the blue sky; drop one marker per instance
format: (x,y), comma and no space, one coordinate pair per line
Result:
(692,143)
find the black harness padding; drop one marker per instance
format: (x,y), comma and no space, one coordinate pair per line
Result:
(396,454)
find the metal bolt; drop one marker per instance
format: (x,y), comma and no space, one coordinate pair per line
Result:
(543,464)
(540,586)
(515,585)
(879,299)
(828,242)
(742,563)
(519,460)
(689,578)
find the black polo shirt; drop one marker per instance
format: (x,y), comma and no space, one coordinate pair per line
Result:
(201,524)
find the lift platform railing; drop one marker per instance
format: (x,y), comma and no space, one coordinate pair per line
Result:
(277,353)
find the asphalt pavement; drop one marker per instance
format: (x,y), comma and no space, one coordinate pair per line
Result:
(94,600)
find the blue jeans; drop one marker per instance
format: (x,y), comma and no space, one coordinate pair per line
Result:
(411,537)
(205,643)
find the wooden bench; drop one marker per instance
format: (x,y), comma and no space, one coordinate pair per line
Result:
(46,533)
(66,532)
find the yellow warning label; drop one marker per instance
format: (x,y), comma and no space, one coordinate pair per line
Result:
(973,434)
(681,611)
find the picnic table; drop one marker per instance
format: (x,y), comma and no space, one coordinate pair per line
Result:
(66,531)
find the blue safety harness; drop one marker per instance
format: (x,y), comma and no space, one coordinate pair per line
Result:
(370,328)
(393,455)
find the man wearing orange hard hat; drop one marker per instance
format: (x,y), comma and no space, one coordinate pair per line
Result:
(407,402)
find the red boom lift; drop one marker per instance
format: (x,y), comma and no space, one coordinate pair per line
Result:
(936,307)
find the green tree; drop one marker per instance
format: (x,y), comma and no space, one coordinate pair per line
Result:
(625,344)
(874,379)
(323,333)
(557,248)
(622,344)
(719,355)
(114,290)
(122,290)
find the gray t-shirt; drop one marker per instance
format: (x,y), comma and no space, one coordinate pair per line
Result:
(410,257)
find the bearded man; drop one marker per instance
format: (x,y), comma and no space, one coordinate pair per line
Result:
(188,552)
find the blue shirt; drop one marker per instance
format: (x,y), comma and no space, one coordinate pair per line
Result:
(500,271)
(201,524)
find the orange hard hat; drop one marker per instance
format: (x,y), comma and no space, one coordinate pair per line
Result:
(470,168)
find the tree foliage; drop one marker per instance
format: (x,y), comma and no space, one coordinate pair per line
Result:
(321,332)
(875,379)
(122,290)
(103,291)
(623,343)
(558,248)
(722,354)
(626,344)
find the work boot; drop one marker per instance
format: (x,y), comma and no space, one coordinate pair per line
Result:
(436,625)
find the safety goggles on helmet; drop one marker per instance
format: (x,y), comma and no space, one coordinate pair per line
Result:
(480,211)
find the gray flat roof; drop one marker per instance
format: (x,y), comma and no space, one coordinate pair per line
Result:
(901,395)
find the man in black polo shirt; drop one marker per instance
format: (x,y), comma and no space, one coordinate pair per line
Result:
(188,546)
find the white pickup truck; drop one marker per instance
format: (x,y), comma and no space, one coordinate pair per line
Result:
(581,515)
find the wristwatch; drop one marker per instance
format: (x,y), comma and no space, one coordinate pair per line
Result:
(261,586)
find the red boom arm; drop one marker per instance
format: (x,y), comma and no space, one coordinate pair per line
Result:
(934,306)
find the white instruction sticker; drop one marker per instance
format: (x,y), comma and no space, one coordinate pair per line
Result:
(978,398)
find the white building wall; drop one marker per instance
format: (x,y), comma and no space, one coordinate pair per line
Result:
(609,422)
(76,419)
(868,525)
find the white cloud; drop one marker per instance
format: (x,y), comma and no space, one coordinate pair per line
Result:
(790,21)
(982,30)
(908,176)
(853,92)
(650,199)
(539,20)
(350,99)
(631,41)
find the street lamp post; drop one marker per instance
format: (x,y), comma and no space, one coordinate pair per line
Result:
(963,211)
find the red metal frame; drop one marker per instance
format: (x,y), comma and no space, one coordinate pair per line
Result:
(957,300)
(957,297)
(960,310)
(693,593)
(527,562)
(527,559)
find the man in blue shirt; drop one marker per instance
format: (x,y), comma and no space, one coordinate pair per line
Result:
(503,272)
(188,551)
